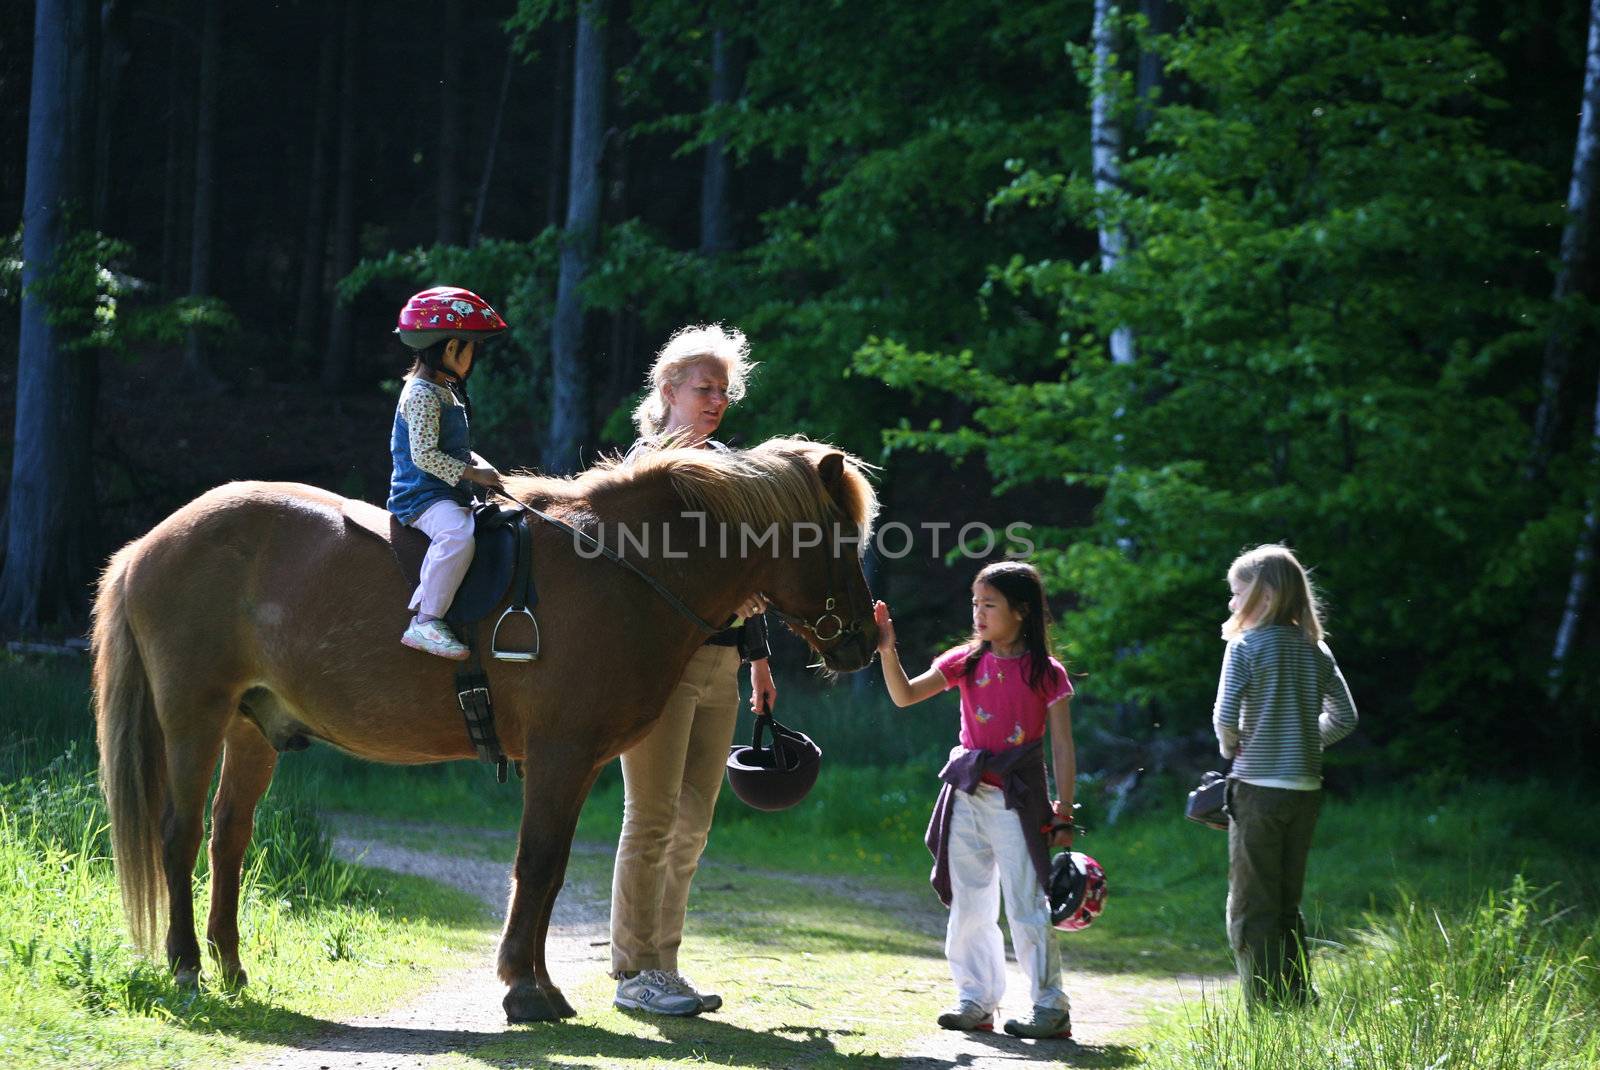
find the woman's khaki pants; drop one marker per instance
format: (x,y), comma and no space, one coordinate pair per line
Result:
(671,779)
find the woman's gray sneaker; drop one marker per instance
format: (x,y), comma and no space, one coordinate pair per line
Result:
(657,992)
(709,1001)
(968,1016)
(1046,1023)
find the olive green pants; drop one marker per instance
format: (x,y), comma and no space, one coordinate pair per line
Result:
(1269,839)
(671,779)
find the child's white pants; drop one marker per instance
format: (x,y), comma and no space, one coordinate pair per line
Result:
(448,526)
(988,857)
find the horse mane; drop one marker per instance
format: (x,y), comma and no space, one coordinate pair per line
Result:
(775,482)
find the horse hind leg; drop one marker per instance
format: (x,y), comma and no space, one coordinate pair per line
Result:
(193,726)
(248,762)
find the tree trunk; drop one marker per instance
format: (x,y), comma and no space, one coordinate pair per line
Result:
(1571,274)
(1105,137)
(716,220)
(1582,564)
(205,187)
(336,356)
(172,199)
(115,53)
(1151,76)
(560,114)
(494,146)
(569,396)
(447,227)
(50,507)
(314,242)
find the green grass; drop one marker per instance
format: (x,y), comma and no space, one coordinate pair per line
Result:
(1508,985)
(319,937)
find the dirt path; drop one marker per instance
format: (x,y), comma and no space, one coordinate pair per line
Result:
(461,1011)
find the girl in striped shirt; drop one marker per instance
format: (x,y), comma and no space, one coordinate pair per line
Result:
(1280,701)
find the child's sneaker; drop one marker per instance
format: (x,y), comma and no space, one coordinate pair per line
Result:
(1047,1023)
(709,1001)
(969,1017)
(434,637)
(655,991)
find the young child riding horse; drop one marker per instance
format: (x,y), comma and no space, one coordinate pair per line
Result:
(435,470)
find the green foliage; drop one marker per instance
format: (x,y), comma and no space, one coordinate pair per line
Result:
(1331,281)
(98,304)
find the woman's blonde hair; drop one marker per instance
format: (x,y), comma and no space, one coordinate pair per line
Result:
(1277,590)
(687,347)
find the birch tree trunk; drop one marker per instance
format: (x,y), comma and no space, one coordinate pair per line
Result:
(50,506)
(314,242)
(716,220)
(195,363)
(1574,256)
(1573,269)
(336,357)
(569,395)
(1582,564)
(1105,137)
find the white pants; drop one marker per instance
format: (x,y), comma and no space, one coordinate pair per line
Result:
(448,526)
(988,857)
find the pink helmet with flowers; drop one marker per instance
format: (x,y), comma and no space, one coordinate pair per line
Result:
(446,312)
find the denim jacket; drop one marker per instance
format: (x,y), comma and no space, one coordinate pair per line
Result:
(411,490)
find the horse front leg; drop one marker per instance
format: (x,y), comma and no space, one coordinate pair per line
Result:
(553,795)
(248,761)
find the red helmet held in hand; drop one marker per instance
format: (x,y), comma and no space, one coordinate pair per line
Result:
(1077,891)
(446,312)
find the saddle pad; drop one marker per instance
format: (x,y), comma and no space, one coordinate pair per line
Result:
(492,562)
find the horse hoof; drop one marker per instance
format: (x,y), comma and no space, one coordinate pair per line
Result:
(527,1002)
(186,978)
(235,979)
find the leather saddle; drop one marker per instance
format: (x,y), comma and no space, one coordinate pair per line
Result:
(502,555)
(502,562)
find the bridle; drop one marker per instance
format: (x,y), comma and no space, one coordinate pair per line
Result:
(838,632)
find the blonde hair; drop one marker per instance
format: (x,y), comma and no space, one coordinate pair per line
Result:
(1277,590)
(688,347)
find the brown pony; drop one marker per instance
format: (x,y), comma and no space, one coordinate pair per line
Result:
(257,614)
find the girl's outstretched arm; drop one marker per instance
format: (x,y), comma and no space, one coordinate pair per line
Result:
(905,692)
(1064,757)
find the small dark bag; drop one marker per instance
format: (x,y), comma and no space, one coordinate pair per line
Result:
(1208,803)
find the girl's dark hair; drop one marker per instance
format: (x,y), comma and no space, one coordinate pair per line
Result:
(429,359)
(1020,585)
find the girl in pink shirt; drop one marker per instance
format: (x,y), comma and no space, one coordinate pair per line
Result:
(990,829)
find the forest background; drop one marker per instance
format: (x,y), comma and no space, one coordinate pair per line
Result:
(1163,281)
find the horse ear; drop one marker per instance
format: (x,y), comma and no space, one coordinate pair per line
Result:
(831,469)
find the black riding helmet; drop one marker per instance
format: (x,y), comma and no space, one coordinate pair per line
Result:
(777,776)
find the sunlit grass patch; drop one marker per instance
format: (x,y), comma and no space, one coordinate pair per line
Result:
(1508,985)
(319,938)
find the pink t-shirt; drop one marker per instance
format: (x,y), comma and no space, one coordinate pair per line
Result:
(998,708)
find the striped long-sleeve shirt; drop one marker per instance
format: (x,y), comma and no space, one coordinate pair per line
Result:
(1280,701)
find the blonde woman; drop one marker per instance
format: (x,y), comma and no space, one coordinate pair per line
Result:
(671,778)
(1280,701)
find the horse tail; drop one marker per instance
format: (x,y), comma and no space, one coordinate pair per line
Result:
(133,762)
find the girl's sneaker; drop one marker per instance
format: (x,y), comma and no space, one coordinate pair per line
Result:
(434,637)
(1046,1023)
(968,1017)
